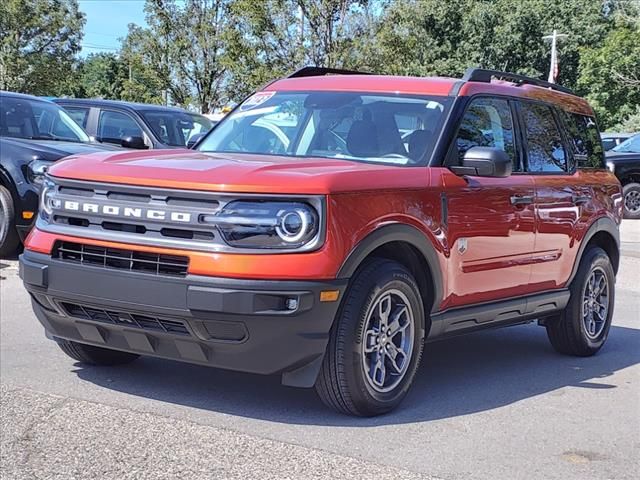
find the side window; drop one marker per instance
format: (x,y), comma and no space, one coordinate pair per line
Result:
(584,140)
(114,126)
(545,151)
(487,123)
(79,115)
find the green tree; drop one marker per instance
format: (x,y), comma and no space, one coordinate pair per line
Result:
(184,47)
(427,37)
(38,43)
(102,75)
(272,38)
(146,80)
(610,75)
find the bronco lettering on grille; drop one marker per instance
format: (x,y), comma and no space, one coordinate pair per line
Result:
(128,212)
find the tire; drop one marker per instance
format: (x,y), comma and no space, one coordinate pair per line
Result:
(631,195)
(90,355)
(569,332)
(9,239)
(350,378)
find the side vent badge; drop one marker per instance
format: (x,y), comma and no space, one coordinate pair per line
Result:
(462,245)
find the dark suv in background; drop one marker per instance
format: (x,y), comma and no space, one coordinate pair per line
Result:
(624,161)
(136,125)
(33,134)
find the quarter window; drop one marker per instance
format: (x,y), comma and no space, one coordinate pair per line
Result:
(545,151)
(584,140)
(114,126)
(487,123)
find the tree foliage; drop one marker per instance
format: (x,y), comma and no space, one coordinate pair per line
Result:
(610,75)
(38,43)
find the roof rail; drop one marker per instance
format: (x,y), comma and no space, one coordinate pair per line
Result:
(321,71)
(483,75)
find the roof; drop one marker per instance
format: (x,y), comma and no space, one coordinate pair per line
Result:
(117,103)
(4,93)
(442,86)
(368,83)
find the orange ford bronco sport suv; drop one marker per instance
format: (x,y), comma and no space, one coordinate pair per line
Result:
(330,226)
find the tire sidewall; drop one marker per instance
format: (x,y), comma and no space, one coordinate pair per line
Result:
(394,276)
(6,215)
(595,258)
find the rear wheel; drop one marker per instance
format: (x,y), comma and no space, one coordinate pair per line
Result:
(582,328)
(95,355)
(376,342)
(631,193)
(9,239)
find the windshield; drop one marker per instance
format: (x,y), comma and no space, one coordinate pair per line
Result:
(175,128)
(366,127)
(631,145)
(41,120)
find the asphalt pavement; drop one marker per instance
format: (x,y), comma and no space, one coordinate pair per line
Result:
(493,405)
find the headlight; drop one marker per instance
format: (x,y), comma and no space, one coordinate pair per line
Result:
(47,202)
(611,167)
(37,169)
(269,224)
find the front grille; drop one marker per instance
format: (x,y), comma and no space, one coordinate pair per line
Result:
(152,215)
(129,319)
(144,262)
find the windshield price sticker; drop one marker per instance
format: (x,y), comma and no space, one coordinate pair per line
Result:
(256,99)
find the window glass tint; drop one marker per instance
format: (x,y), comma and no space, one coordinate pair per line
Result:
(79,115)
(584,140)
(487,123)
(23,118)
(114,126)
(354,126)
(545,151)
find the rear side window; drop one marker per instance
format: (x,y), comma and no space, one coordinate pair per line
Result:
(79,115)
(487,123)
(584,140)
(114,126)
(545,150)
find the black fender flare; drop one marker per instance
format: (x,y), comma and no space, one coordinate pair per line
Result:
(397,232)
(602,224)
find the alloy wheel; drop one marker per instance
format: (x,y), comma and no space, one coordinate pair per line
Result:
(595,303)
(387,345)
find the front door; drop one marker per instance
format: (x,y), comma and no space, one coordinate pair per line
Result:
(491,221)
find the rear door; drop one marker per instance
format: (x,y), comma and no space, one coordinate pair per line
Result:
(563,198)
(491,221)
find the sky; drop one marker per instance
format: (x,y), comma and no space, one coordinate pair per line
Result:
(107,21)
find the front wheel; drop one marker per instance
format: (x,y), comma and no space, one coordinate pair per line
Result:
(582,328)
(376,342)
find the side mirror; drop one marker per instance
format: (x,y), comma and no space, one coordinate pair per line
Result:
(484,162)
(195,139)
(134,142)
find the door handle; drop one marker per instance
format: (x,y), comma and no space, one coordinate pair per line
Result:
(580,199)
(521,199)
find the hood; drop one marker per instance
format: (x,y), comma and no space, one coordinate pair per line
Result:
(53,149)
(622,157)
(240,173)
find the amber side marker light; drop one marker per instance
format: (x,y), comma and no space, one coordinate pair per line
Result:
(27,215)
(329,295)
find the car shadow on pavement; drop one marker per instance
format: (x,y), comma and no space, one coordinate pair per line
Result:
(459,376)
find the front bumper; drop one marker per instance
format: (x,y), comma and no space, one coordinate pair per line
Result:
(258,326)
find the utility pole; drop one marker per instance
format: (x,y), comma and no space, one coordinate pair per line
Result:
(553,68)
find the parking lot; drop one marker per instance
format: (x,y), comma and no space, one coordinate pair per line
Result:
(497,404)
